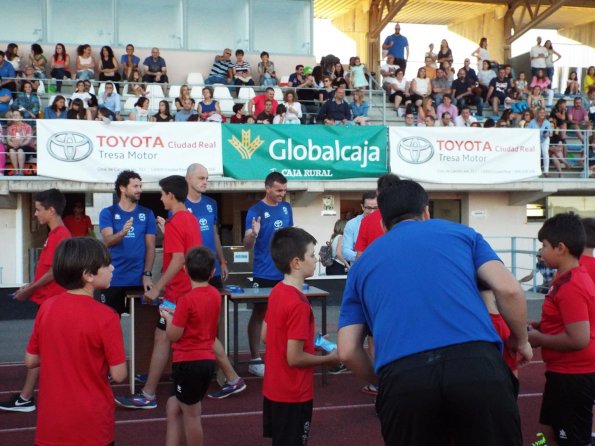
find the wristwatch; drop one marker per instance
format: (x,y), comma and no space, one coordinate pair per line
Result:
(147,273)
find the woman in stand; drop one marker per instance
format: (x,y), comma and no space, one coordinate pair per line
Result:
(60,66)
(294,108)
(340,266)
(18,139)
(420,88)
(399,90)
(481,53)
(27,102)
(141,111)
(108,67)
(163,115)
(12,55)
(572,84)
(77,110)
(85,64)
(38,60)
(445,53)
(535,99)
(589,79)
(545,83)
(57,110)
(485,75)
(549,60)
(208,109)
(184,94)
(545,131)
(135,85)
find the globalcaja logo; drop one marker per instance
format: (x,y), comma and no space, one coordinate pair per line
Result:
(415,150)
(69,146)
(246,147)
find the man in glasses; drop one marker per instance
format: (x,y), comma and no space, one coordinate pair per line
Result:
(351,230)
(220,73)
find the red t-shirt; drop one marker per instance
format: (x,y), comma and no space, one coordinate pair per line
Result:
(504,332)
(288,316)
(369,230)
(198,314)
(77,339)
(259,101)
(181,233)
(44,264)
(78,227)
(589,264)
(570,299)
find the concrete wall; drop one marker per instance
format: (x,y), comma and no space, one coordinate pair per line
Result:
(487,25)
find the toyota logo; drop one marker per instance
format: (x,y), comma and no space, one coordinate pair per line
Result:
(278,224)
(69,146)
(415,150)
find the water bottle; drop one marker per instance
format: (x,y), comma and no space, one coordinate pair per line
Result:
(255,286)
(324,344)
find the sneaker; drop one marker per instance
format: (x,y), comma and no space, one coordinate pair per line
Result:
(339,369)
(370,389)
(141,378)
(18,404)
(137,401)
(228,390)
(256,369)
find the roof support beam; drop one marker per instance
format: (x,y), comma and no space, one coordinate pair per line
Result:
(516,19)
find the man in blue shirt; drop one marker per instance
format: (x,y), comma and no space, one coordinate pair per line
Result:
(7,74)
(352,227)
(5,98)
(220,71)
(398,46)
(155,68)
(437,357)
(110,101)
(128,230)
(336,110)
(263,219)
(186,111)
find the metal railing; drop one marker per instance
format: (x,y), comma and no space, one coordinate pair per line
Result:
(519,256)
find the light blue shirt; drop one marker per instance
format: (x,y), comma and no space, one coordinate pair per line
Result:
(546,129)
(112,102)
(350,236)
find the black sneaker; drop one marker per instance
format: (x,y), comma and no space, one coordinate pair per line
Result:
(339,369)
(18,404)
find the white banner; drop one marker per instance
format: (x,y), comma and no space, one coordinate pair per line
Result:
(92,151)
(464,155)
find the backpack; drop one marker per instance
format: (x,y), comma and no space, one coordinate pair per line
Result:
(326,254)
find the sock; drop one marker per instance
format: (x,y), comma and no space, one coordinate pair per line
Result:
(233,382)
(24,399)
(148,395)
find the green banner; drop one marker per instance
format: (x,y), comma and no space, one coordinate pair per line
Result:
(308,152)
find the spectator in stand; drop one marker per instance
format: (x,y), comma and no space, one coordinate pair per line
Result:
(448,70)
(487,124)
(296,78)
(540,79)
(85,63)
(399,90)
(2,154)
(470,74)
(27,102)
(559,113)
(241,71)
(307,94)
(18,140)
(294,108)
(129,62)
(184,94)
(280,117)
(485,76)
(140,111)
(163,115)
(327,91)
(135,85)
(155,68)
(57,110)
(107,67)
(238,114)
(445,120)
(463,92)
(357,73)
(535,99)
(186,111)
(420,87)
(38,61)
(221,71)
(389,72)
(498,91)
(538,56)
(409,119)
(208,109)
(29,76)
(77,110)
(591,102)
(267,115)
(78,223)
(338,71)
(7,74)
(266,71)
(440,86)
(429,121)
(447,107)
(12,55)
(339,77)
(431,54)
(521,84)
(93,103)
(359,109)
(549,60)
(572,84)
(545,131)
(60,66)
(526,118)
(445,53)
(109,101)
(426,109)
(589,80)
(430,69)
(578,118)
(5,98)
(249,119)
(397,46)
(482,54)
(465,119)
(336,109)
(557,148)
(257,103)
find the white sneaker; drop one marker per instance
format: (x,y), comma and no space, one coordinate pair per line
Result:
(256,369)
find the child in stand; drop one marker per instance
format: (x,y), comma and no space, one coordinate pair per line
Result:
(566,335)
(192,328)
(288,332)
(357,74)
(76,341)
(238,114)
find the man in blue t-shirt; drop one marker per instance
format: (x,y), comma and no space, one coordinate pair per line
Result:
(437,357)
(128,230)
(263,219)
(398,46)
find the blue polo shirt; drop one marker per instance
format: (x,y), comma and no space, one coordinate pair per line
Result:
(271,219)
(415,288)
(7,70)
(4,106)
(128,256)
(398,48)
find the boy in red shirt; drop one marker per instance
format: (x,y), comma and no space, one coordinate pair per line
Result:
(587,260)
(288,333)
(192,328)
(49,206)
(77,340)
(180,233)
(566,335)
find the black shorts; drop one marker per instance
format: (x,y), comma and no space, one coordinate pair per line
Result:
(216,282)
(114,297)
(288,424)
(461,394)
(567,407)
(191,380)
